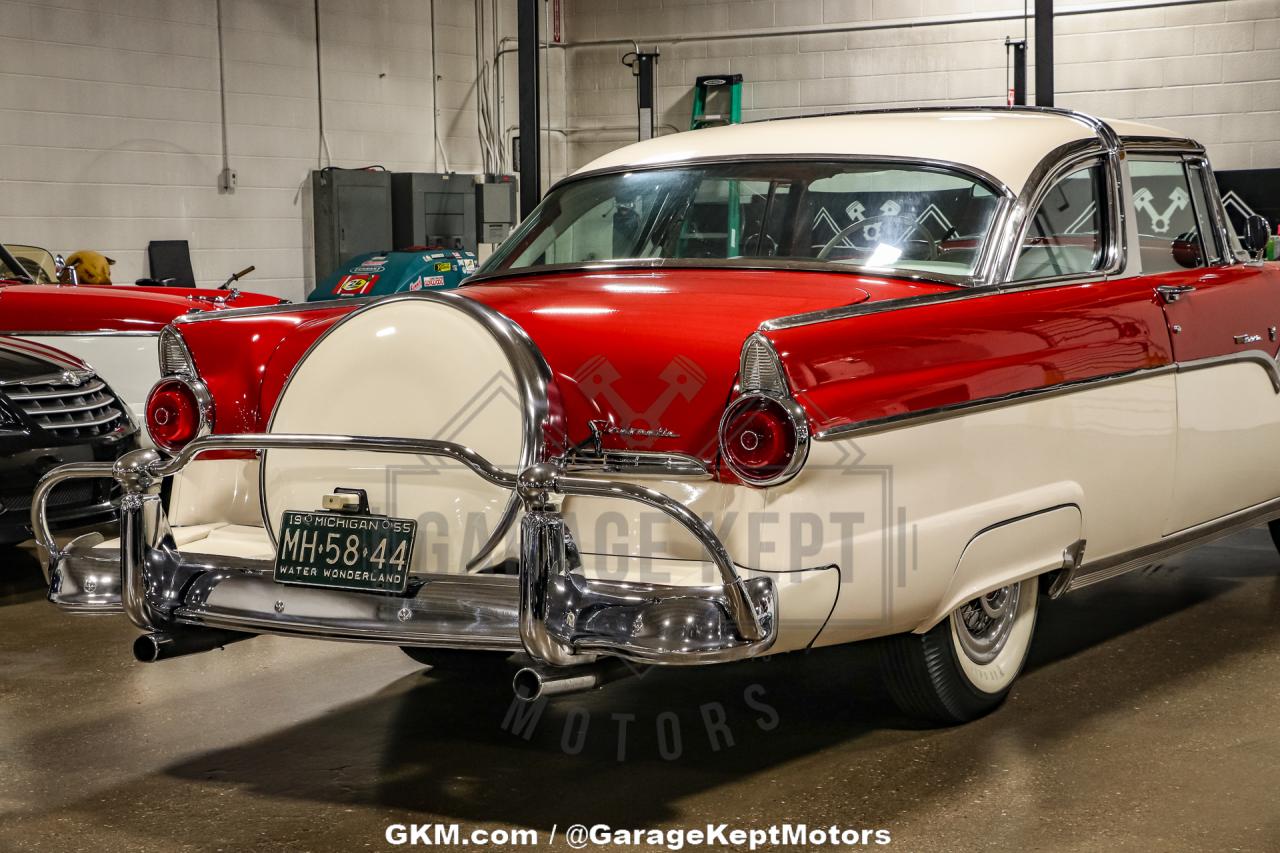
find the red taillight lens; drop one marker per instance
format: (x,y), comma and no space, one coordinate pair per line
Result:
(763,441)
(177,412)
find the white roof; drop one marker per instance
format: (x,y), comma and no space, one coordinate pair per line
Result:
(1006,144)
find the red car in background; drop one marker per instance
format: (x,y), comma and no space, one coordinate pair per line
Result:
(113,328)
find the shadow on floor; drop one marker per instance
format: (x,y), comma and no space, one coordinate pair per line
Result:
(634,754)
(626,754)
(20,576)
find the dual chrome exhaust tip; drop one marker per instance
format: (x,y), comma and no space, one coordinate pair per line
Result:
(535,682)
(163,645)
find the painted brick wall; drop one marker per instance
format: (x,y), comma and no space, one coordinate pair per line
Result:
(109,121)
(1210,70)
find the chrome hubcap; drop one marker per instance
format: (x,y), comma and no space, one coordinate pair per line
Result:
(983,625)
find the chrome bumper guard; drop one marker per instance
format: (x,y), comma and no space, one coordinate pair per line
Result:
(557,616)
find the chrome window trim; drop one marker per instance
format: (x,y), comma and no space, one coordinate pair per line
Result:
(1054,168)
(532,374)
(730,265)
(1099,127)
(1038,184)
(992,182)
(1005,198)
(1141,144)
(1220,215)
(1190,152)
(941,413)
(1215,214)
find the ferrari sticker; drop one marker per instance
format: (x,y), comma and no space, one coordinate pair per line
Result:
(444,266)
(355,285)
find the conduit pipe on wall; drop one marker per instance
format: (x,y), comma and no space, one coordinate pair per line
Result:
(894,24)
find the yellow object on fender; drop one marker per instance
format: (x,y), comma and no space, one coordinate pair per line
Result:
(91,267)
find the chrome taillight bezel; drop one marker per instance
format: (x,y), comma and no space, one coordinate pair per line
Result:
(178,365)
(799,427)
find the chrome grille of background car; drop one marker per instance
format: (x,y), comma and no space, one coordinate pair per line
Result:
(74,494)
(69,406)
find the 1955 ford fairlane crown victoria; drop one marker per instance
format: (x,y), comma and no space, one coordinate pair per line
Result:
(728,393)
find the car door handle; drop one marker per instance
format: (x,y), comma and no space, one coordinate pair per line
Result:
(1173,292)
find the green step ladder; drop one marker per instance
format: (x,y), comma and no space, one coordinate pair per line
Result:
(710,92)
(717,100)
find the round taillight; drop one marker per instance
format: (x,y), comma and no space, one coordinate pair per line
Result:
(764,439)
(178,411)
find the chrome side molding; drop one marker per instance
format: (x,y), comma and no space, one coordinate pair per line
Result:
(1184,540)
(954,410)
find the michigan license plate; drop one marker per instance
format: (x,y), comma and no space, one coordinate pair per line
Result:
(339,550)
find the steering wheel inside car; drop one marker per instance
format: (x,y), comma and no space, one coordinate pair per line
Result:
(907,227)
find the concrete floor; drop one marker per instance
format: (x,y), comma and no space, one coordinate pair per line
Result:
(1147,720)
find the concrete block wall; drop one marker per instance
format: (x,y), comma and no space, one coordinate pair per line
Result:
(1207,69)
(110,134)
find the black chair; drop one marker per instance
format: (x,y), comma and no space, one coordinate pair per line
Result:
(170,264)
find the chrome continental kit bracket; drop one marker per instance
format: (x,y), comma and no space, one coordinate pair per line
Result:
(556,614)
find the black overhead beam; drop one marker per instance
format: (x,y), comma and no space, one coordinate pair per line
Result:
(1044,53)
(530,166)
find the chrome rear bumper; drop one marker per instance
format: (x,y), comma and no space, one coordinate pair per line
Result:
(558,616)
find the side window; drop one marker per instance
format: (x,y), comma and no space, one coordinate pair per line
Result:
(1068,231)
(1169,227)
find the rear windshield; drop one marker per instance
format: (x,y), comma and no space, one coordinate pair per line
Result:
(864,215)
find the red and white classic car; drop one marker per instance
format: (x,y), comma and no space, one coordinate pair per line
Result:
(112,328)
(734,392)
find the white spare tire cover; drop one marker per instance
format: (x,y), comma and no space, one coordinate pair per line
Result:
(405,368)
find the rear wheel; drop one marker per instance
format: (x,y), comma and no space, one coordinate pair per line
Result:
(964,666)
(460,662)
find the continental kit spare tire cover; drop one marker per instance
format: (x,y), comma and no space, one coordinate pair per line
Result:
(409,367)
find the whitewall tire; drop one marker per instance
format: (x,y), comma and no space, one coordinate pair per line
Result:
(965,665)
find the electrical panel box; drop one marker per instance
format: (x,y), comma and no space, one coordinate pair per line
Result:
(434,210)
(496,208)
(452,211)
(352,215)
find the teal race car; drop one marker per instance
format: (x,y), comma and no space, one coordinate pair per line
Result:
(382,273)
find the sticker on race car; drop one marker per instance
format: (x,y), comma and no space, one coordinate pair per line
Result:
(355,285)
(423,282)
(468,265)
(444,266)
